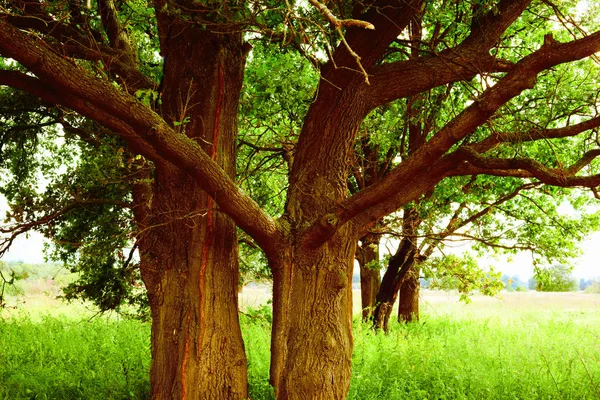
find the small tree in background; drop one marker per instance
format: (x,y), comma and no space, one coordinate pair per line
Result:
(557,278)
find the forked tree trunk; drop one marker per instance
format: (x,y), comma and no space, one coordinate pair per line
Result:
(188,248)
(399,266)
(312,326)
(370,277)
(408,301)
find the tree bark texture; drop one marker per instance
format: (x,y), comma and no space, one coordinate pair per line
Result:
(188,248)
(399,265)
(408,301)
(311,347)
(370,278)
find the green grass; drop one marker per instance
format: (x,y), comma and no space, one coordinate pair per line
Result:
(541,355)
(61,358)
(454,353)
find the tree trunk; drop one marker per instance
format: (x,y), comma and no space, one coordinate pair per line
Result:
(191,273)
(399,266)
(408,303)
(312,325)
(370,278)
(188,249)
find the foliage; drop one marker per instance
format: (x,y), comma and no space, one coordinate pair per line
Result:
(462,273)
(556,278)
(8,276)
(80,187)
(496,102)
(17,279)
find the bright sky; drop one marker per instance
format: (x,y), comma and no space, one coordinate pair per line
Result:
(30,249)
(586,266)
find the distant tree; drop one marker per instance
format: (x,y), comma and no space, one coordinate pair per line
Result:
(556,278)
(532,283)
(594,286)
(511,282)
(584,284)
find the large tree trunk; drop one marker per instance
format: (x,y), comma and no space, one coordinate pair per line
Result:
(408,302)
(370,278)
(188,248)
(191,272)
(312,343)
(312,331)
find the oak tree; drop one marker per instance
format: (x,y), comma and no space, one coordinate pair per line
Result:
(165,78)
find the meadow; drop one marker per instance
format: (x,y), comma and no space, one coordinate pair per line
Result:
(524,345)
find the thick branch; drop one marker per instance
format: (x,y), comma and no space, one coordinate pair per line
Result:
(383,198)
(463,62)
(568,131)
(527,168)
(120,59)
(147,132)
(35,86)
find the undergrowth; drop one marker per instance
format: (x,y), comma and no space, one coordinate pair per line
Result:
(532,355)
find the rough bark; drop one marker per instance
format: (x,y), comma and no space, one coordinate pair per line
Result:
(189,265)
(311,347)
(399,265)
(370,278)
(408,301)
(189,248)
(312,341)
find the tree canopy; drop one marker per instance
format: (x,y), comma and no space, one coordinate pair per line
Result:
(150,105)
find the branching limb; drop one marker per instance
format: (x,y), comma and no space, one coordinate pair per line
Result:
(12,231)
(465,61)
(527,168)
(521,137)
(144,130)
(339,23)
(383,197)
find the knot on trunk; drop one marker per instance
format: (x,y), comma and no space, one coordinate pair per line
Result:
(329,220)
(339,279)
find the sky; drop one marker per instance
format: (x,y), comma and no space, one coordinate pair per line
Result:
(29,249)
(586,266)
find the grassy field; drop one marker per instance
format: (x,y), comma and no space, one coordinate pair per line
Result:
(523,346)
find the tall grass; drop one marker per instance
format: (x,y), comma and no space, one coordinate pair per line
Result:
(63,358)
(541,354)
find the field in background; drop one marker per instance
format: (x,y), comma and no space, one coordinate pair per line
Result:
(524,345)
(438,301)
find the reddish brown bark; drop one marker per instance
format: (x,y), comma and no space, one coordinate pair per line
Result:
(309,248)
(400,265)
(189,248)
(189,265)
(311,347)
